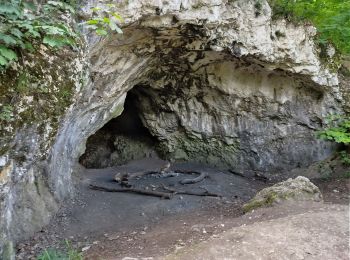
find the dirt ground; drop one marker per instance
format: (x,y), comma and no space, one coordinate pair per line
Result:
(315,232)
(107,225)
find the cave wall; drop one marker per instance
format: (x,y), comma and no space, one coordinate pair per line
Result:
(224,61)
(235,114)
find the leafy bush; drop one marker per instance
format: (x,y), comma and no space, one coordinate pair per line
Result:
(331,17)
(338,129)
(24,25)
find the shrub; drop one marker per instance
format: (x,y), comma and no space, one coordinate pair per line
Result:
(24,25)
(338,131)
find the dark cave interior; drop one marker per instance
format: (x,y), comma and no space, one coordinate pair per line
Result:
(120,140)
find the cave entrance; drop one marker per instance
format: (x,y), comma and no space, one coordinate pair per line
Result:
(120,140)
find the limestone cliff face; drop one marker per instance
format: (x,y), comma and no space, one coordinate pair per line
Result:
(218,81)
(35,93)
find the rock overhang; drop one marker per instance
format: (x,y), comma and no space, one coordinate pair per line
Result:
(205,39)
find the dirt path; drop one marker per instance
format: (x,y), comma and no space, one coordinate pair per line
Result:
(118,225)
(319,233)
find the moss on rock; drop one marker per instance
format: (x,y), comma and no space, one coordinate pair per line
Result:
(298,189)
(37,92)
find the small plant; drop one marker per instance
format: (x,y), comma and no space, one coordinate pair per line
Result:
(346,175)
(6,113)
(338,129)
(345,158)
(70,254)
(104,19)
(50,254)
(258,8)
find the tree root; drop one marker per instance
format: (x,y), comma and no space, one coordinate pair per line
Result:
(205,193)
(125,177)
(164,195)
(202,176)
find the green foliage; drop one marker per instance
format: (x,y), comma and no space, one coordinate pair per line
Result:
(50,254)
(70,254)
(345,158)
(24,25)
(331,17)
(346,175)
(258,7)
(6,113)
(338,129)
(104,19)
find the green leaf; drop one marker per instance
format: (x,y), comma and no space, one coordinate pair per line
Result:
(96,9)
(3,61)
(29,6)
(53,41)
(8,53)
(110,5)
(28,46)
(106,20)
(8,39)
(9,9)
(92,27)
(60,5)
(16,32)
(93,21)
(51,30)
(119,30)
(113,25)
(118,17)
(101,32)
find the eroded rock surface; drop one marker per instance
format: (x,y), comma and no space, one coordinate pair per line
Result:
(218,83)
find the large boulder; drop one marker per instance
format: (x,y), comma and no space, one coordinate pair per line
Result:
(298,189)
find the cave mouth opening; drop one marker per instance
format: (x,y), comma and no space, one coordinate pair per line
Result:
(122,139)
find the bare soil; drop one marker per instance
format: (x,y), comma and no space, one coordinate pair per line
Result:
(119,225)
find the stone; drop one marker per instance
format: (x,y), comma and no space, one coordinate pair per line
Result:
(298,189)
